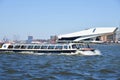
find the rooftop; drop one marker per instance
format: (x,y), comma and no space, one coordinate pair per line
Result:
(91,31)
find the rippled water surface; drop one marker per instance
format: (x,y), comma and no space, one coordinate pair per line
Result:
(62,67)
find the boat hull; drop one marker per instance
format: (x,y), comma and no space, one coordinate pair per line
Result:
(37,51)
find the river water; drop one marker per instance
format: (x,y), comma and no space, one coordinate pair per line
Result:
(62,67)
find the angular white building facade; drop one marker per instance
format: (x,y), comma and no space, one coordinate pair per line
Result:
(102,34)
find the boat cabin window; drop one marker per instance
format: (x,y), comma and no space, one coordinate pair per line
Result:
(58,47)
(1,45)
(17,46)
(43,47)
(23,47)
(37,47)
(65,47)
(85,46)
(88,46)
(78,46)
(51,47)
(74,46)
(10,46)
(30,47)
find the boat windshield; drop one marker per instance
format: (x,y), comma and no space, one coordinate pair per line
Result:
(78,46)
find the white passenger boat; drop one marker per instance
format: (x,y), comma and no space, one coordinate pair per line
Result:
(75,48)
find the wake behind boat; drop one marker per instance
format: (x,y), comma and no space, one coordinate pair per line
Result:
(73,48)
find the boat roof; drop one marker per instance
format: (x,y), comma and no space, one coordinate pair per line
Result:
(47,44)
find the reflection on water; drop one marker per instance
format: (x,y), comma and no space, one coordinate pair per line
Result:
(62,67)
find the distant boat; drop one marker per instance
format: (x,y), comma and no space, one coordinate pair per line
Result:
(74,48)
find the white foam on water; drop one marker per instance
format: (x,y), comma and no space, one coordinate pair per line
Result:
(90,53)
(85,53)
(68,54)
(32,53)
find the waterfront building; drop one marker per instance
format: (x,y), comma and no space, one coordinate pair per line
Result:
(53,39)
(30,39)
(97,35)
(118,36)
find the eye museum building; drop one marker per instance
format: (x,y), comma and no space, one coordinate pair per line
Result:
(97,35)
